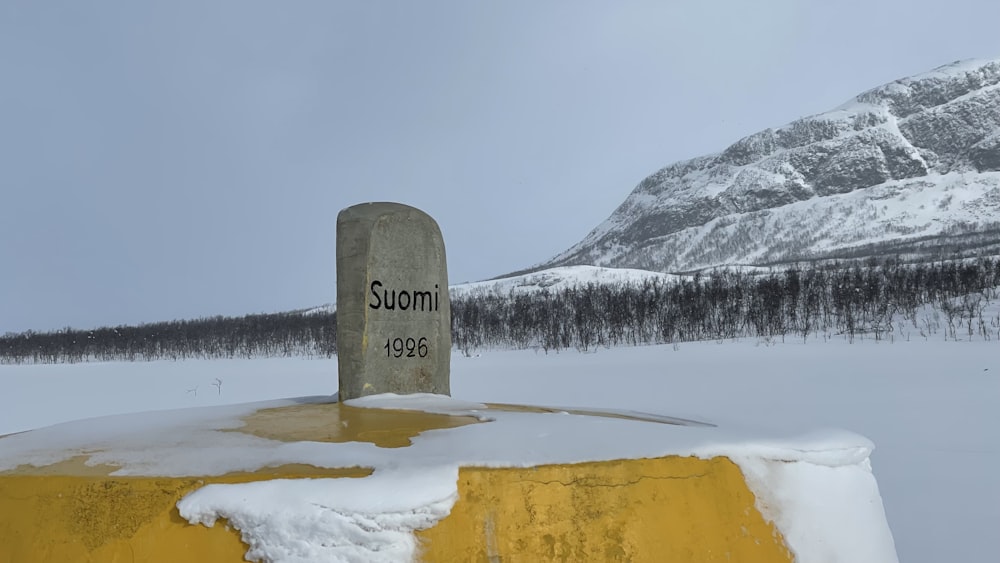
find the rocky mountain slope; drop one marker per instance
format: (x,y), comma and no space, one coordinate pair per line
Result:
(909,168)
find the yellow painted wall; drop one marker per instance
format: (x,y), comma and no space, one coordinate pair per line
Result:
(673,509)
(101,519)
(659,510)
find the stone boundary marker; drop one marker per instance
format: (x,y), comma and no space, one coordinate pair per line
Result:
(393,311)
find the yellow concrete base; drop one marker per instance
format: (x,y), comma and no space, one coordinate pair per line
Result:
(658,510)
(672,509)
(101,519)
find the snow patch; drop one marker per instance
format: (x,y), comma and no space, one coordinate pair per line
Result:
(338,520)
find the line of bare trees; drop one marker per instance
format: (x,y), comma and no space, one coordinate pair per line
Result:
(849,301)
(881,300)
(251,336)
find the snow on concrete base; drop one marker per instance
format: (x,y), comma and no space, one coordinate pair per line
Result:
(816,487)
(338,520)
(826,513)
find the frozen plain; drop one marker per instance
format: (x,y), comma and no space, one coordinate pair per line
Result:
(930,406)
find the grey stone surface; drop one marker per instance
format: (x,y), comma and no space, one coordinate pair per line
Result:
(393,312)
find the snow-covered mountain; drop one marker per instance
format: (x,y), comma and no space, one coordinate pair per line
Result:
(911,167)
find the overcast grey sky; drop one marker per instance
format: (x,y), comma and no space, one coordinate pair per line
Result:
(187,158)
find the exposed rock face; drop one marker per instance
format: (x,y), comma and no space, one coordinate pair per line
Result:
(912,166)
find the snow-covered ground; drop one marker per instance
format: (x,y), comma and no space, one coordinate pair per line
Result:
(930,407)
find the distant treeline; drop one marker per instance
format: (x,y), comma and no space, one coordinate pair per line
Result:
(251,336)
(819,301)
(815,302)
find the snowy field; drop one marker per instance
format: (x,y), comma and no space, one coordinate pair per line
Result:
(931,407)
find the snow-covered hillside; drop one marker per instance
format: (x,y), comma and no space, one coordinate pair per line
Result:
(911,167)
(556,279)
